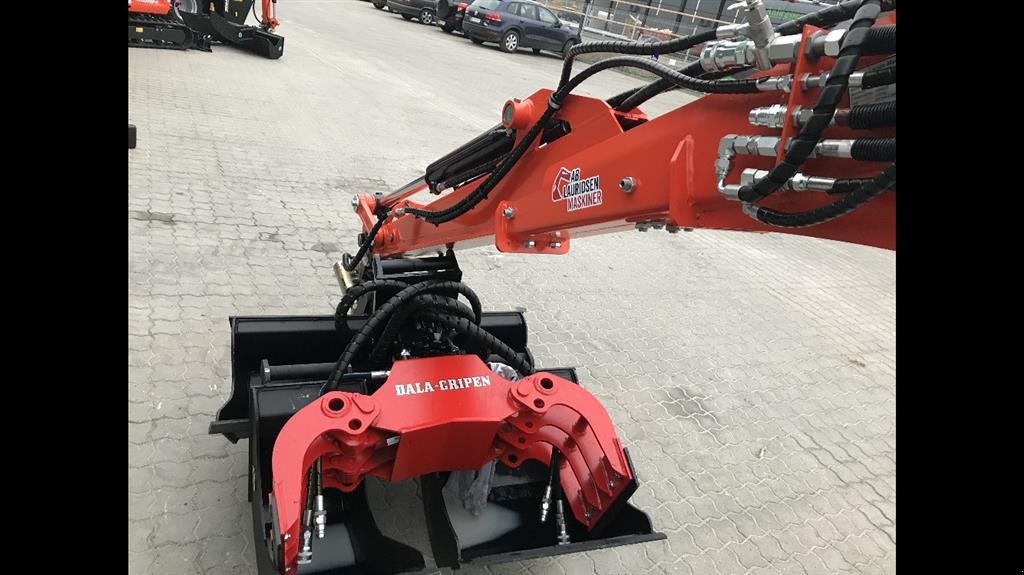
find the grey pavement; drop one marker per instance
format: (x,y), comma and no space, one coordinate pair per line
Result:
(752,376)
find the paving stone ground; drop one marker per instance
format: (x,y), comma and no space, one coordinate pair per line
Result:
(751,376)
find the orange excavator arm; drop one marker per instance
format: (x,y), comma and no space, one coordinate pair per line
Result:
(805,145)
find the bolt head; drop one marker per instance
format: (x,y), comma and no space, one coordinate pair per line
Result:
(555,245)
(627,185)
(355,203)
(529,244)
(509,212)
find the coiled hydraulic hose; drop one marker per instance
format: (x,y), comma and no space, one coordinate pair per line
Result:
(873,149)
(484,338)
(439,303)
(383,313)
(845,186)
(844,205)
(804,143)
(356,292)
(881,77)
(870,116)
(880,40)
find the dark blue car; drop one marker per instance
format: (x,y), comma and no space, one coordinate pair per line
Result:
(515,24)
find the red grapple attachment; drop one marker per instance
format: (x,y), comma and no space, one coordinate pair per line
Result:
(449,414)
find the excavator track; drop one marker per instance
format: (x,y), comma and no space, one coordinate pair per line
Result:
(165,32)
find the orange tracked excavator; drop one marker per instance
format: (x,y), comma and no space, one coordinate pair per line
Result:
(196,24)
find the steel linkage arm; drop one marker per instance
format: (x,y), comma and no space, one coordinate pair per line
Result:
(449,414)
(598,170)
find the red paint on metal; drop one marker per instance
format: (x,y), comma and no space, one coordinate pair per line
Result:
(447,414)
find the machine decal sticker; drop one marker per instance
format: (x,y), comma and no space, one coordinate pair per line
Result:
(442,385)
(577,192)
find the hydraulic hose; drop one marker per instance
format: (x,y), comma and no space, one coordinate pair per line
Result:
(822,19)
(838,78)
(439,303)
(875,78)
(633,98)
(382,313)
(367,242)
(874,149)
(870,116)
(846,186)
(673,76)
(484,338)
(849,202)
(880,40)
(633,48)
(356,292)
(468,175)
(480,193)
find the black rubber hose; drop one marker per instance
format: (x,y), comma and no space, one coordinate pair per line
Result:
(555,478)
(363,289)
(742,86)
(633,48)
(367,242)
(480,192)
(875,78)
(872,116)
(803,144)
(874,149)
(851,201)
(484,338)
(439,303)
(822,19)
(468,175)
(353,295)
(633,98)
(382,313)
(841,187)
(880,40)
(673,76)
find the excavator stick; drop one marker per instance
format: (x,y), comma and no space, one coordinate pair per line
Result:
(227,25)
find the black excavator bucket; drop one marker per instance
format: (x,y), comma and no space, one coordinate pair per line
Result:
(251,38)
(278,366)
(230,28)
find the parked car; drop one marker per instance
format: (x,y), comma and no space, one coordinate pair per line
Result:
(422,10)
(515,24)
(450,14)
